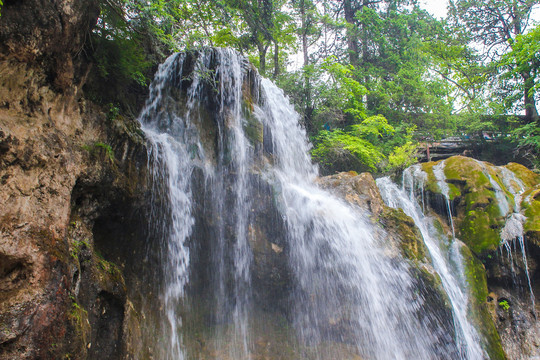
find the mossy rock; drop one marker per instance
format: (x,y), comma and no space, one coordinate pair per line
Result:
(253,128)
(431,183)
(480,230)
(410,239)
(478,307)
(531,207)
(529,178)
(478,218)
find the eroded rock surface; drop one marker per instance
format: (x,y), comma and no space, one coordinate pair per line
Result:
(64,163)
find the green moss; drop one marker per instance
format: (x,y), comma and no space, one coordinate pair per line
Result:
(253,129)
(77,246)
(480,230)
(477,218)
(531,206)
(528,177)
(109,274)
(79,320)
(100,149)
(454,192)
(411,245)
(431,183)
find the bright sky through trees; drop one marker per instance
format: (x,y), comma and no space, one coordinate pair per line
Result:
(436,8)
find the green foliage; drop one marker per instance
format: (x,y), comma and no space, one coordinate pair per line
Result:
(402,157)
(505,305)
(100,148)
(528,138)
(113,113)
(361,60)
(521,67)
(373,128)
(363,147)
(119,56)
(335,148)
(345,92)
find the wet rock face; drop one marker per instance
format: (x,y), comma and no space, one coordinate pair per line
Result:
(53,286)
(362,191)
(482,197)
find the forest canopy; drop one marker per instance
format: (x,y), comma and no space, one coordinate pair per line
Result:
(371,79)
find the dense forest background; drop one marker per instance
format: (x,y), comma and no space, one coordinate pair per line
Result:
(376,79)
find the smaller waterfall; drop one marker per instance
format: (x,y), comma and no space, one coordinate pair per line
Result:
(502,200)
(513,229)
(446,259)
(438,171)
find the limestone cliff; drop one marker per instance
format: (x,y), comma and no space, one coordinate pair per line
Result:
(68,170)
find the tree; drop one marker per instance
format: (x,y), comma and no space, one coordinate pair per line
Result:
(496,24)
(525,57)
(267,25)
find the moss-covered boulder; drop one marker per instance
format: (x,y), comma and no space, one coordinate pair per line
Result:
(481,197)
(531,208)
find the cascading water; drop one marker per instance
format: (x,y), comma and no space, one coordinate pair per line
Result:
(445,255)
(341,271)
(513,228)
(168,154)
(438,171)
(218,138)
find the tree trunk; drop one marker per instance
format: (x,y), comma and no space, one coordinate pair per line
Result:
(276,59)
(262,57)
(308,108)
(531,113)
(352,41)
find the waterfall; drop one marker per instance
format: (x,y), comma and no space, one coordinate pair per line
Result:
(232,179)
(339,265)
(446,259)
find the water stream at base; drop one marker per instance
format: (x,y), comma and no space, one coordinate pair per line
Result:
(347,284)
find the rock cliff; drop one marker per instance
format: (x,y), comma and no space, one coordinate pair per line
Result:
(70,170)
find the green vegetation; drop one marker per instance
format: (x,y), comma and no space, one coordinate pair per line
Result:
(98,148)
(360,60)
(76,248)
(505,305)
(478,218)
